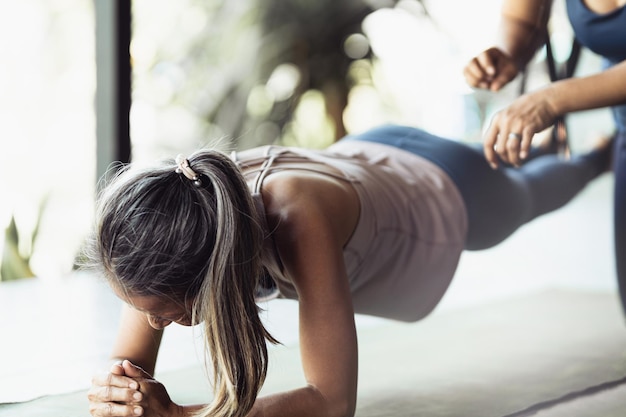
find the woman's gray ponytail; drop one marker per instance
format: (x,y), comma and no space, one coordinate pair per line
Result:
(236,338)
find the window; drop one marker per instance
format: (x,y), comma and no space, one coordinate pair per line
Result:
(47,126)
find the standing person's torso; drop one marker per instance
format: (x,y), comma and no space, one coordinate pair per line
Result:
(600,25)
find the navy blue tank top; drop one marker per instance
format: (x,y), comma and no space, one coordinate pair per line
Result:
(602,33)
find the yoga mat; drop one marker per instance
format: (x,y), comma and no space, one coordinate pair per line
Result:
(490,360)
(493,360)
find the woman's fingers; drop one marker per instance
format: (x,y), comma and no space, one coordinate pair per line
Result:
(114,395)
(114,410)
(108,393)
(134,371)
(512,129)
(527,138)
(117,368)
(512,148)
(506,144)
(492,69)
(489,146)
(110,379)
(480,71)
(501,146)
(487,63)
(475,76)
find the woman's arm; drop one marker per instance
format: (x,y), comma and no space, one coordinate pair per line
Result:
(606,88)
(522,29)
(136,340)
(312,227)
(314,216)
(115,393)
(536,111)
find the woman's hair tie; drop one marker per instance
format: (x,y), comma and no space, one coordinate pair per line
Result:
(184,168)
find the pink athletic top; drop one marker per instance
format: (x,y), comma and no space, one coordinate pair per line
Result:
(410,234)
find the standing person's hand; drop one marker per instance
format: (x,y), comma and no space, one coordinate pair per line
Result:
(492,69)
(511,130)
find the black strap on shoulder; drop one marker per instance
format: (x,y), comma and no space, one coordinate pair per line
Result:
(559,72)
(556,71)
(566,69)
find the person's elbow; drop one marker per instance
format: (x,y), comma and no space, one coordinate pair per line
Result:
(337,405)
(348,409)
(342,408)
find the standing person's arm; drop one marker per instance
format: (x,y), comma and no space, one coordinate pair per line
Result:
(522,30)
(535,111)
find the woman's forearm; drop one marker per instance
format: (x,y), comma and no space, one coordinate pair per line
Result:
(136,340)
(606,88)
(303,402)
(523,28)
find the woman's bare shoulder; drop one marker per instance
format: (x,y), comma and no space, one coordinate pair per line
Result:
(301,200)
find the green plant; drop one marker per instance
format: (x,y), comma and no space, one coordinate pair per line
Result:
(16,256)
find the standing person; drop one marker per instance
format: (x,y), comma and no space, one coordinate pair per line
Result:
(375,224)
(599,25)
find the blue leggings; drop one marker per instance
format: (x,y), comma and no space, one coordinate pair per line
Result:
(498,201)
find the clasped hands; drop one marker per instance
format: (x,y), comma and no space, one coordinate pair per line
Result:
(129,391)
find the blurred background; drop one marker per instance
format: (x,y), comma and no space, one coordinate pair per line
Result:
(246,73)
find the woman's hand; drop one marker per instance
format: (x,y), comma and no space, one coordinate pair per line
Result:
(511,131)
(114,394)
(130,391)
(492,69)
(156,402)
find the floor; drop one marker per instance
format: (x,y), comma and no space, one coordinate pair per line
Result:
(549,353)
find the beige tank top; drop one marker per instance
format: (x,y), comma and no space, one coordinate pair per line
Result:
(411,230)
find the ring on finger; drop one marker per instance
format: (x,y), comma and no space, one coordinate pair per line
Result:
(515,136)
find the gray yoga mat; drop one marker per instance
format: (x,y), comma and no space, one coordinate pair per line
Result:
(490,360)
